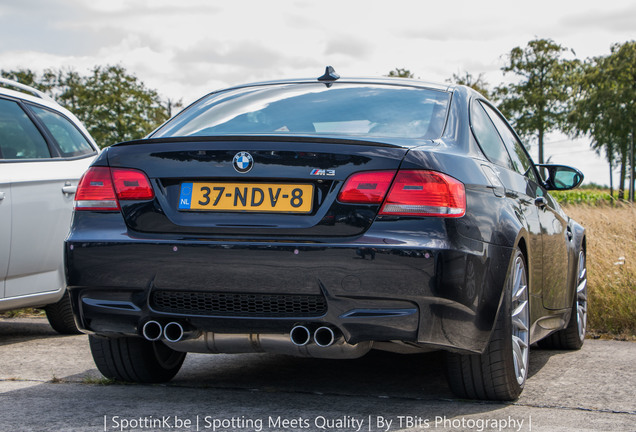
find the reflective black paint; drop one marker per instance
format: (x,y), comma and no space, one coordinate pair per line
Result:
(431,281)
(428,278)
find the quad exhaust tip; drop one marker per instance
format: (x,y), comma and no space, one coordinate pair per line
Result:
(324,337)
(173,332)
(152,331)
(300,335)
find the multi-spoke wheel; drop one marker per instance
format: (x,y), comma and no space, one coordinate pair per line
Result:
(501,371)
(573,336)
(520,318)
(581,296)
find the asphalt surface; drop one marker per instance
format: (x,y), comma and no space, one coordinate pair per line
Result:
(48,382)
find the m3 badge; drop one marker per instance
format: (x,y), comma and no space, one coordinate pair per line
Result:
(323,172)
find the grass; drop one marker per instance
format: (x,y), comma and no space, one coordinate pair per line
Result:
(591,197)
(23,313)
(99,381)
(611,265)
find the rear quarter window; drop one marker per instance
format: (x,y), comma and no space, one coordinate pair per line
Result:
(488,137)
(70,141)
(520,159)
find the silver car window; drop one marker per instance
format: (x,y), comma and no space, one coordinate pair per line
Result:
(19,138)
(70,141)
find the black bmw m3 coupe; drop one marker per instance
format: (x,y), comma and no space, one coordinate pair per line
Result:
(325,218)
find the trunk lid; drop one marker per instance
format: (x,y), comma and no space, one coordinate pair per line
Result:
(290,189)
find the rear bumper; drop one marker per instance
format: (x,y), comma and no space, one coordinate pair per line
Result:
(439,293)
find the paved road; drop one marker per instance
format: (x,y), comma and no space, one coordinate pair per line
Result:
(49,383)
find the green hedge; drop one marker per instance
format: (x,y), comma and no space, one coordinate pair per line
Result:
(592,197)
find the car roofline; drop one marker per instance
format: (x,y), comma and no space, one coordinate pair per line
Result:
(44,100)
(24,89)
(399,82)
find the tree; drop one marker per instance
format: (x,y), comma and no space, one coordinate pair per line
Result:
(604,108)
(28,77)
(536,104)
(589,111)
(113,105)
(68,88)
(23,76)
(172,106)
(478,84)
(119,107)
(400,73)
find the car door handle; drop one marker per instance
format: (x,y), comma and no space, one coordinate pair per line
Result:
(1,196)
(525,201)
(69,189)
(540,202)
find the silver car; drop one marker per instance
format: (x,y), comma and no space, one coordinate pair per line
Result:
(44,150)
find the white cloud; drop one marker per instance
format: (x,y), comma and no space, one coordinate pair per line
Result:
(186,49)
(349,46)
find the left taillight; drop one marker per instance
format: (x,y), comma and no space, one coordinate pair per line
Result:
(101,188)
(425,193)
(407,193)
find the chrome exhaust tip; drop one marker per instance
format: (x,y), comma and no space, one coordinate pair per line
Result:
(300,335)
(324,337)
(173,332)
(152,331)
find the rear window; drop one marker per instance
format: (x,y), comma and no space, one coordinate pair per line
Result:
(316,109)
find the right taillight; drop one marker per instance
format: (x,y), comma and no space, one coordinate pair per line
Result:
(95,191)
(425,193)
(101,188)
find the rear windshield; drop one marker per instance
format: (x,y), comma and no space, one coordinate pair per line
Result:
(316,109)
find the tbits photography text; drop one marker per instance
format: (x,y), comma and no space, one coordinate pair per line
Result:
(371,423)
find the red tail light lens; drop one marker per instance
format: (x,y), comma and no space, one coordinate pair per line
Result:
(132,185)
(95,191)
(425,193)
(102,188)
(366,187)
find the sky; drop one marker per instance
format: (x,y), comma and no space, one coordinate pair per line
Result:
(187,48)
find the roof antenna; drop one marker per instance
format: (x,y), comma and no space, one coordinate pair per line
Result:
(330,75)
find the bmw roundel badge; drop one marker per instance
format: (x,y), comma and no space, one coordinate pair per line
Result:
(243,162)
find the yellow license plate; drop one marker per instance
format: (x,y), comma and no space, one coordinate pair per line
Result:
(261,197)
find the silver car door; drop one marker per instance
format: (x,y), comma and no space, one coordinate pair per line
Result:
(5,227)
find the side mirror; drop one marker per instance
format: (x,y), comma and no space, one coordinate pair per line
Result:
(561,177)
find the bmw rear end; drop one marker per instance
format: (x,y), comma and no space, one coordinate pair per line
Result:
(313,218)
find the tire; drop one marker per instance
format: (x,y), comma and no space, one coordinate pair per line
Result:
(60,316)
(500,372)
(573,336)
(133,359)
